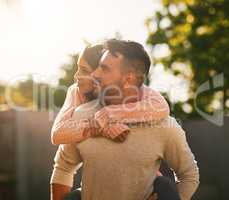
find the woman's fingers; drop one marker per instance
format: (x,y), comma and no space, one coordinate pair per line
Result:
(122,137)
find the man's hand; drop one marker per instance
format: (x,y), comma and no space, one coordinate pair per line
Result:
(58,191)
(153,197)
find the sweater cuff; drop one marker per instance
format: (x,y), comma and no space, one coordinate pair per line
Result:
(61,177)
(102,118)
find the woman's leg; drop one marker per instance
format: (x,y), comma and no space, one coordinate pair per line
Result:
(165,189)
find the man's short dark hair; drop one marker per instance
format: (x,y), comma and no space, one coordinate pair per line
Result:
(132,51)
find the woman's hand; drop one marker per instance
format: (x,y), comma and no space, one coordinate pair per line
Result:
(116,131)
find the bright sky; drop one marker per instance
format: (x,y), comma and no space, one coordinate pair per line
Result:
(37,36)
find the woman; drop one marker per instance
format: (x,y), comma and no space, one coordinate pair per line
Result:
(152,106)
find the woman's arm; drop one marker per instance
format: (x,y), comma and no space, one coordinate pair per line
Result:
(152,107)
(66,130)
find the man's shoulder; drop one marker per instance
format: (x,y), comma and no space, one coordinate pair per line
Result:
(172,127)
(168,122)
(169,127)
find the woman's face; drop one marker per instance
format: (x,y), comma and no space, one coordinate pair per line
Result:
(83,76)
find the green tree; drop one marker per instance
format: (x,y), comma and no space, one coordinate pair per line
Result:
(30,94)
(197,35)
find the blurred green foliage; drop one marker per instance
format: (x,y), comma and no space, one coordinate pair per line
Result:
(197,35)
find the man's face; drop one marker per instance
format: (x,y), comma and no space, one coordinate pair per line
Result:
(109,76)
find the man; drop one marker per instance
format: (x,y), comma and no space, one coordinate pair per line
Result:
(124,171)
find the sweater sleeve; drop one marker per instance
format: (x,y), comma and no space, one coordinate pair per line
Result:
(67,162)
(65,129)
(151,107)
(179,157)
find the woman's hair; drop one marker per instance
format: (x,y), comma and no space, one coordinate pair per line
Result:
(92,55)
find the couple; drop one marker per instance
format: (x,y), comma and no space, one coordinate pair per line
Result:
(120,130)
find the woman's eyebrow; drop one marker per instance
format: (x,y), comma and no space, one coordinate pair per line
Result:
(84,67)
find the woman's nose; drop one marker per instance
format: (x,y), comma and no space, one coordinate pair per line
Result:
(96,73)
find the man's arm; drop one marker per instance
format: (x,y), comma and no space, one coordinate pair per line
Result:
(67,161)
(179,157)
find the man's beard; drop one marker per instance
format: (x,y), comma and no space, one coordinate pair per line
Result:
(90,95)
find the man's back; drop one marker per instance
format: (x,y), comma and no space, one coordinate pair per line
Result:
(126,171)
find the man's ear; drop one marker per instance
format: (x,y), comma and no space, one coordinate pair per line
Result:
(129,79)
(140,79)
